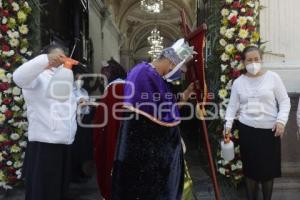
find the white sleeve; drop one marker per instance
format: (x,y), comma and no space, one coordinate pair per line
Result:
(26,75)
(298,114)
(233,106)
(283,100)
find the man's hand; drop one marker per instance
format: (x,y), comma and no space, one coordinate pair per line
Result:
(279,129)
(55,59)
(188,92)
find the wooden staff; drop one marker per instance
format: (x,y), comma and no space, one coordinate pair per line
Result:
(196,74)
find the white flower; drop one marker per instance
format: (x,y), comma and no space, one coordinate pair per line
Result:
(23,29)
(24,60)
(17,98)
(23,144)
(250,19)
(222,170)
(26,4)
(15,6)
(8,91)
(233,167)
(4,20)
(223,67)
(243,10)
(237,149)
(234,63)
(3,108)
(16,34)
(223,93)
(223,42)
(251,4)
(223,30)
(1,5)
(18,164)
(241,47)
(229,85)
(15,108)
(229,1)
(225,12)
(223,78)
(242,21)
(225,57)
(14,136)
(243,33)
(14,42)
(224,162)
(229,48)
(229,33)
(239,164)
(240,66)
(222,113)
(9,163)
(29,53)
(16,91)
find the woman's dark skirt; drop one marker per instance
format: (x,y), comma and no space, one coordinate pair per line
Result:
(46,171)
(149,162)
(260,152)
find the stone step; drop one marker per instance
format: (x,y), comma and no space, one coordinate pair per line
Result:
(287,183)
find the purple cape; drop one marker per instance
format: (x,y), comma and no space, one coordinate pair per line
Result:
(147,93)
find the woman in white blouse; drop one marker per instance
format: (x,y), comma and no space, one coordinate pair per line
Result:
(260,103)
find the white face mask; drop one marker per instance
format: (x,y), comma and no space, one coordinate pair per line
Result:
(79,83)
(253,68)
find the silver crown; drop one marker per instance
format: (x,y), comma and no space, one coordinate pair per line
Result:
(183,50)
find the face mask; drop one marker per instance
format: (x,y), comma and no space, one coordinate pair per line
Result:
(175,73)
(253,68)
(79,83)
(176,76)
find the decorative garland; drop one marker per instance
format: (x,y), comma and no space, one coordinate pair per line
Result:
(239,29)
(13,125)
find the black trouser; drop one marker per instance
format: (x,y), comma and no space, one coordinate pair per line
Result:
(46,171)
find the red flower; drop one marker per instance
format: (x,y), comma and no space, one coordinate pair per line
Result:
(1,166)
(236,5)
(5,13)
(251,28)
(7,101)
(11,170)
(235,73)
(238,58)
(4,28)
(234,20)
(4,86)
(7,143)
(8,114)
(7,65)
(5,47)
(250,13)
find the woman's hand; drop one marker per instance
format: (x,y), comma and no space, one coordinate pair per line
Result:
(279,129)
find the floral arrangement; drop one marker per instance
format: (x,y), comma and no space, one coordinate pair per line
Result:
(239,29)
(14,50)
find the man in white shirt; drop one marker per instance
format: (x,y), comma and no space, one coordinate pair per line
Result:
(52,127)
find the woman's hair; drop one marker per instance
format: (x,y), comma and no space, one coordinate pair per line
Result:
(250,49)
(113,71)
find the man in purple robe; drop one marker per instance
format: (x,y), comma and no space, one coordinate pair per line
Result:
(149,159)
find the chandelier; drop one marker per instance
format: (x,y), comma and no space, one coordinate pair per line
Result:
(152,6)
(155,41)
